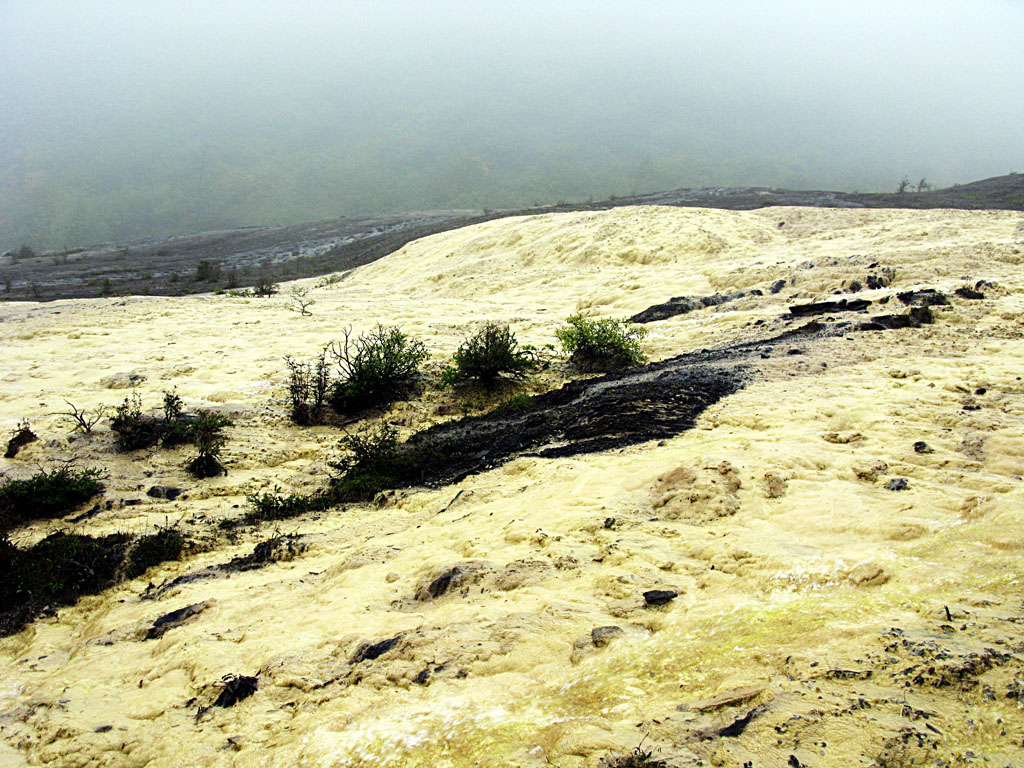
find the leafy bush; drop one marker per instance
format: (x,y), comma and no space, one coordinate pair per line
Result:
(490,353)
(206,434)
(203,429)
(134,428)
(308,387)
(61,567)
(601,344)
(376,368)
(46,494)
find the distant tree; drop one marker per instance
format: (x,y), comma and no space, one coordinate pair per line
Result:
(24,252)
(903,186)
(207,271)
(923,185)
(265,286)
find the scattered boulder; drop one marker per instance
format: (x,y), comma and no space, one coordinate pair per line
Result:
(655,597)
(449,579)
(371,651)
(601,636)
(868,575)
(870,472)
(922,447)
(174,619)
(829,307)
(774,485)
(915,318)
(926,297)
(881,280)
(897,484)
(681,305)
(727,698)
(966,292)
(777,286)
(122,380)
(697,496)
(164,492)
(842,438)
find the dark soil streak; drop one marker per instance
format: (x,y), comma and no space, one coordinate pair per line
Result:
(658,400)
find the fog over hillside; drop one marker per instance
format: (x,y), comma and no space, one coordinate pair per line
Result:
(124,120)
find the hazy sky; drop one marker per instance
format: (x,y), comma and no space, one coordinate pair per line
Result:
(123,119)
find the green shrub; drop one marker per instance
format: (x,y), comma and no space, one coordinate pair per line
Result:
(490,353)
(376,368)
(207,436)
(134,429)
(308,387)
(601,344)
(46,494)
(153,549)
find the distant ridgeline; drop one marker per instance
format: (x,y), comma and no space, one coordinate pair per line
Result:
(237,259)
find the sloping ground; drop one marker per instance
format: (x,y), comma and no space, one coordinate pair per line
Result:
(821,618)
(168,267)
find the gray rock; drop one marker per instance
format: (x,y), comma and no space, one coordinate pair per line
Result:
(659,596)
(601,636)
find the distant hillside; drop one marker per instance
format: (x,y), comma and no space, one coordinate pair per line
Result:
(169,266)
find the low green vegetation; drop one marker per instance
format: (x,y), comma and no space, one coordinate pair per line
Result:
(164,545)
(373,462)
(203,429)
(516,403)
(47,494)
(488,354)
(601,344)
(64,566)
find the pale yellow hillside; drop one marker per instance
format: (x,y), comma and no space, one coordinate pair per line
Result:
(812,600)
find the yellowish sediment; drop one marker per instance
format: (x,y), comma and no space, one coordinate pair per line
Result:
(803,582)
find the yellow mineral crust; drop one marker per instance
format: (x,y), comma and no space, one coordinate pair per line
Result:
(821,617)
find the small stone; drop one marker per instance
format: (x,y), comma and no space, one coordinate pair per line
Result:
(601,636)
(122,380)
(897,484)
(659,596)
(609,523)
(922,447)
(969,293)
(164,492)
(980,391)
